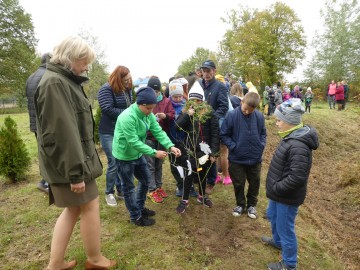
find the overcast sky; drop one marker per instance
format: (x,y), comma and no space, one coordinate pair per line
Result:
(150,37)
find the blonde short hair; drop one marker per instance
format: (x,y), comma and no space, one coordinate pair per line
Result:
(72,49)
(251,99)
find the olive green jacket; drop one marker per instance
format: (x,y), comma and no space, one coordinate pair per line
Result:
(65,128)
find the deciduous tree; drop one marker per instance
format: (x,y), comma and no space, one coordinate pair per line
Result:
(194,61)
(337,47)
(17,49)
(97,73)
(262,46)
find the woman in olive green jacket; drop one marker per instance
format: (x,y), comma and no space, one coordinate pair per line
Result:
(67,154)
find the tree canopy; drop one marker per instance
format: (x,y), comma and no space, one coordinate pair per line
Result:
(261,46)
(97,73)
(194,61)
(17,48)
(337,47)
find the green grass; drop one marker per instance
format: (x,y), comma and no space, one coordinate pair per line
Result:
(201,238)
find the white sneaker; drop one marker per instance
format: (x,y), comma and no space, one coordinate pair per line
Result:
(110,200)
(252,212)
(237,211)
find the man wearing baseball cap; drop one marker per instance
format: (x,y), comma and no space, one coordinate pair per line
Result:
(216,95)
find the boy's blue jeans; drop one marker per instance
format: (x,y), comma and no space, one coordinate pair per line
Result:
(212,173)
(282,219)
(134,199)
(112,176)
(155,166)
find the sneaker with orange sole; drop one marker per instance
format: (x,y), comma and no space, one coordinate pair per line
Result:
(155,197)
(162,193)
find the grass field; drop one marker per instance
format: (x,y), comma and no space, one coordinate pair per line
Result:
(327,225)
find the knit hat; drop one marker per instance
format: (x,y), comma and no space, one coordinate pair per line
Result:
(154,83)
(290,111)
(208,64)
(196,91)
(146,96)
(183,81)
(175,88)
(308,89)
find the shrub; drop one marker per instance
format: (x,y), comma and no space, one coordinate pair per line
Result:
(14,157)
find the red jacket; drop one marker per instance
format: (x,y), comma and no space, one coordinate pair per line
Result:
(166,107)
(339,93)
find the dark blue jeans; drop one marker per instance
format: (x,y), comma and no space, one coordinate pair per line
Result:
(282,219)
(212,173)
(134,199)
(155,166)
(112,176)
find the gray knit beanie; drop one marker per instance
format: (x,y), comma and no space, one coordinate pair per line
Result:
(290,111)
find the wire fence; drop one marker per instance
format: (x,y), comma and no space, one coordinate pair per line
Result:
(8,103)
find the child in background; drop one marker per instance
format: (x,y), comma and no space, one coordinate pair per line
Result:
(165,114)
(236,95)
(287,179)
(222,162)
(244,133)
(278,97)
(308,99)
(201,143)
(286,94)
(271,96)
(265,102)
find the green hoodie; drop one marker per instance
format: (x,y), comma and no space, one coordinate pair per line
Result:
(130,134)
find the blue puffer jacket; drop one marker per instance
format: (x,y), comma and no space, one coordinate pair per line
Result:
(112,106)
(290,166)
(244,135)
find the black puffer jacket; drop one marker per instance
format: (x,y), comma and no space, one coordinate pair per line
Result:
(207,132)
(31,85)
(290,166)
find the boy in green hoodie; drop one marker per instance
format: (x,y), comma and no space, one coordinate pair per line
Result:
(129,147)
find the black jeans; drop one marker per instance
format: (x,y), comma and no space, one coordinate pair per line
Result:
(239,174)
(178,161)
(271,109)
(196,176)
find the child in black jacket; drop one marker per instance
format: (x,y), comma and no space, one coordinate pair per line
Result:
(202,144)
(287,179)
